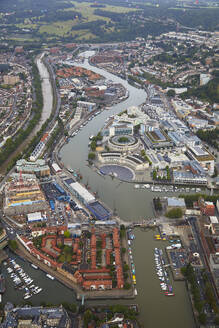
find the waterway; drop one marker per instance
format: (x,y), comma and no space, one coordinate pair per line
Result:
(46,111)
(156,310)
(131,205)
(46,90)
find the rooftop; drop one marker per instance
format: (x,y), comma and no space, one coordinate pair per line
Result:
(176,202)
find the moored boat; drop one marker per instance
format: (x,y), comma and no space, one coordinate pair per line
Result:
(50,277)
(34,266)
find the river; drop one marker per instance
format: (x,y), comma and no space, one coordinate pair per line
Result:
(46,111)
(156,310)
(47,92)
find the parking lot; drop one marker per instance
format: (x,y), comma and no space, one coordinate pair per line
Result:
(178,259)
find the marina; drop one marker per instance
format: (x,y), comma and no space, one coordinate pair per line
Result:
(162,273)
(131,237)
(21,280)
(166,188)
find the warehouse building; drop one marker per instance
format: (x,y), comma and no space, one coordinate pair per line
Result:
(97,209)
(173,203)
(81,193)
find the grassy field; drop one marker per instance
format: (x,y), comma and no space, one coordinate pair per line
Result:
(86,11)
(83,34)
(64,28)
(59,28)
(28,25)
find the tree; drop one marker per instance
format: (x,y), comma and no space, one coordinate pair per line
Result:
(174,213)
(99,136)
(127,285)
(171,93)
(67,234)
(123,250)
(88,316)
(123,139)
(125,267)
(202,318)
(93,145)
(154,175)
(13,245)
(70,306)
(91,156)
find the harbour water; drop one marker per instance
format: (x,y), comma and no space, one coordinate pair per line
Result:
(52,291)
(156,310)
(131,204)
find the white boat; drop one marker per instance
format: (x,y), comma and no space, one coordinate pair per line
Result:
(34,266)
(38,290)
(26,296)
(135,292)
(147,186)
(50,277)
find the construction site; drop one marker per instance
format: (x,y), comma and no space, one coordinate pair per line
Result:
(23,195)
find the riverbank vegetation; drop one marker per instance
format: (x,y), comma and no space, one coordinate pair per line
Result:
(91,156)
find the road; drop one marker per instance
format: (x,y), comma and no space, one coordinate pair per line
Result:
(198,271)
